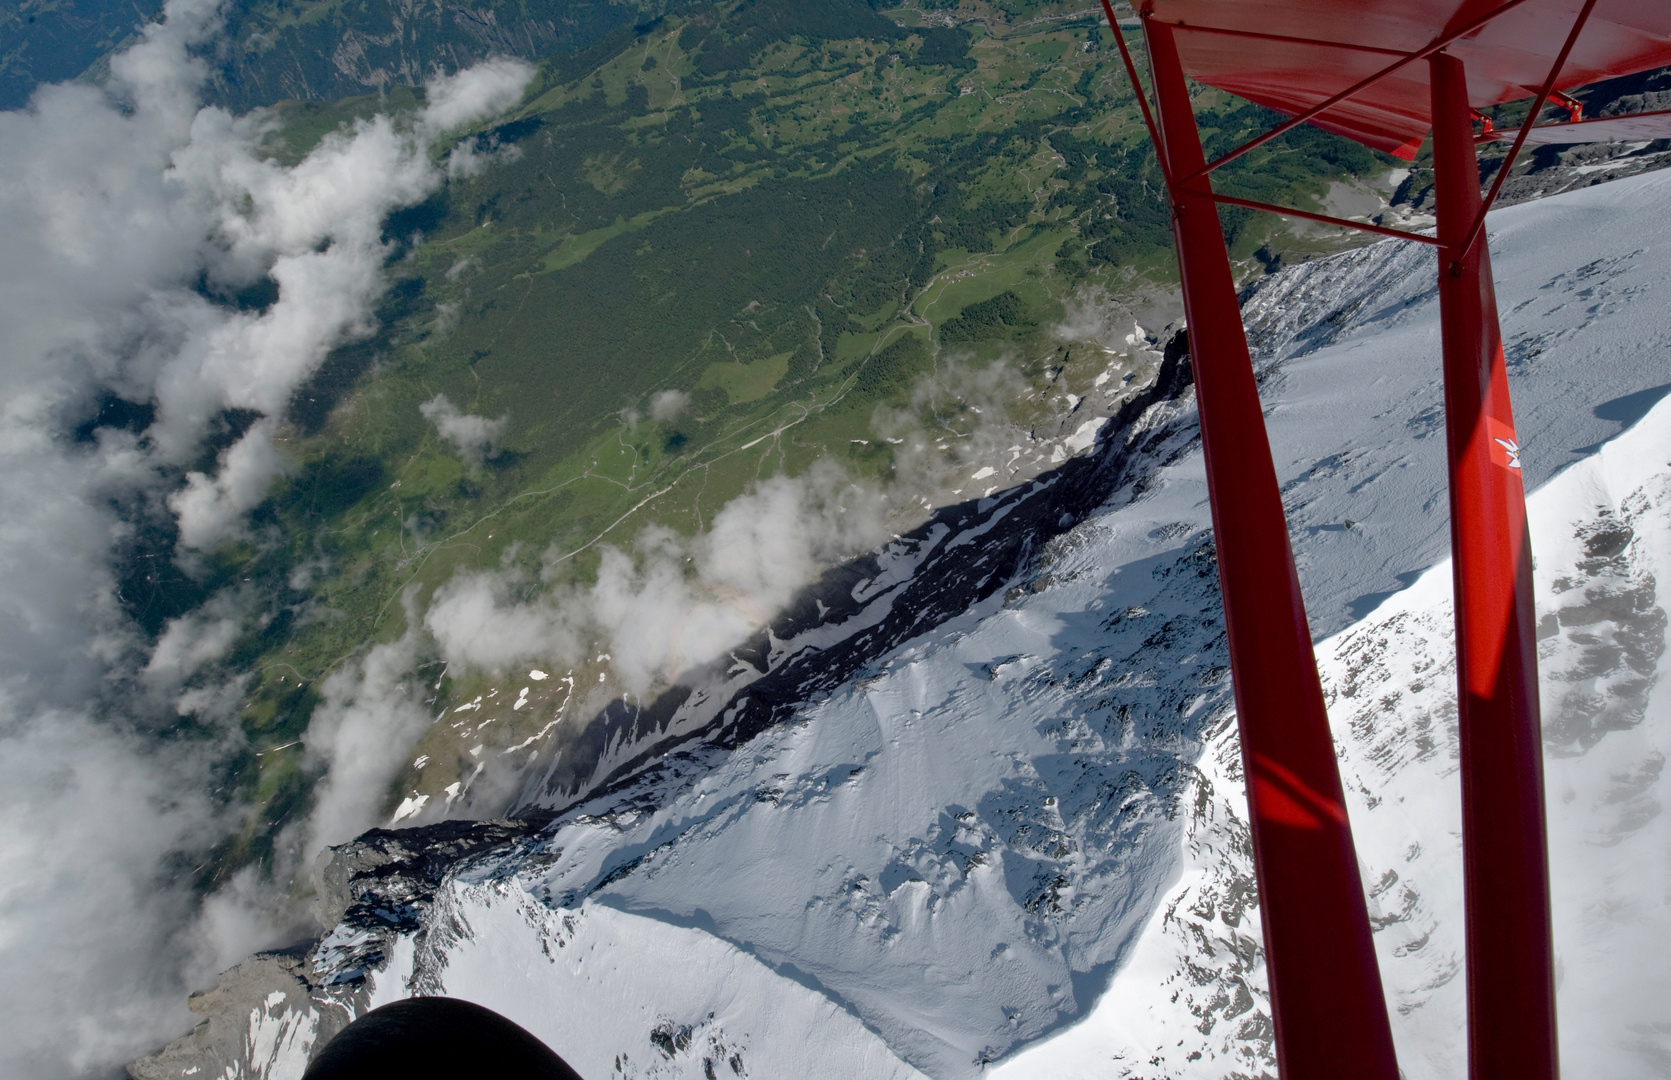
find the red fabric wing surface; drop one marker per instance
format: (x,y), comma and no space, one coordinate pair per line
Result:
(1349,40)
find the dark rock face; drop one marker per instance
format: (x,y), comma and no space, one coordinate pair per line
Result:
(386,874)
(384,884)
(380,885)
(1601,642)
(862,610)
(1549,170)
(268,982)
(370,891)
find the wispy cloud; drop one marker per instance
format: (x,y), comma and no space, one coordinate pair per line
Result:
(127,211)
(666,603)
(361,733)
(474,438)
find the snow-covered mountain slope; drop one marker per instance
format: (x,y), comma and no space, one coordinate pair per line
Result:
(857,613)
(1017,836)
(1602,532)
(1583,282)
(1355,405)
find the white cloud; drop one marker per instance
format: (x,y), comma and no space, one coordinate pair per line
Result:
(1094,315)
(667,604)
(362,732)
(466,160)
(244,916)
(116,202)
(668,404)
(212,509)
(478,621)
(87,900)
(487,89)
(955,424)
(191,641)
(474,438)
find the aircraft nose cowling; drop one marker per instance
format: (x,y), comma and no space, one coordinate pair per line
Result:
(436,1038)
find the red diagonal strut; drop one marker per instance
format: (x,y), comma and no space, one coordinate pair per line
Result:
(1511,989)
(1328,103)
(1326,998)
(1526,128)
(1344,223)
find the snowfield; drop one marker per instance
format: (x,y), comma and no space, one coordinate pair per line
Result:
(1017,843)
(1602,536)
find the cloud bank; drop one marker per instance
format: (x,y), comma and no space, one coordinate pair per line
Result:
(130,215)
(473,438)
(667,603)
(132,218)
(360,734)
(666,405)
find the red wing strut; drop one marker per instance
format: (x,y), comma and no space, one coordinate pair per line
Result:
(1309,50)
(1386,73)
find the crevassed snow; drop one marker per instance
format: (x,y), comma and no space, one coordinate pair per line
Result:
(702,1007)
(1602,531)
(1032,815)
(278,1042)
(1587,333)
(408,807)
(1355,403)
(1085,435)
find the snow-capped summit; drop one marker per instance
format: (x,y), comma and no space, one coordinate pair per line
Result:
(1013,838)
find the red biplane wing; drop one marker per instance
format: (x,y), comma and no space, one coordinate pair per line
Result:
(1361,68)
(1291,55)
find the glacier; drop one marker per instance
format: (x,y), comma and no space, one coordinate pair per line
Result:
(1013,841)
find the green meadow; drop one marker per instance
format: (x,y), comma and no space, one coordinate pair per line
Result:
(790,213)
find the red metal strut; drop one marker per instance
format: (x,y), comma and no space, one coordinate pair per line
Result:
(1326,998)
(1511,989)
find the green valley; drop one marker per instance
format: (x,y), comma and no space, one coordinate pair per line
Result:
(705,251)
